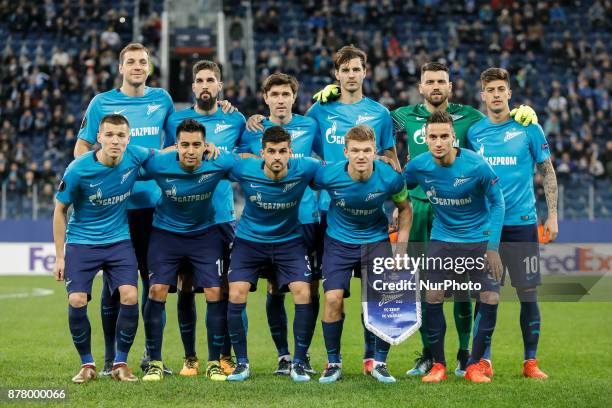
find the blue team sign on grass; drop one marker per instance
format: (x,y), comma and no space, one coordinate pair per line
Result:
(390,300)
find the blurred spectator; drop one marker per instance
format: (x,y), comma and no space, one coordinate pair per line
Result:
(237,59)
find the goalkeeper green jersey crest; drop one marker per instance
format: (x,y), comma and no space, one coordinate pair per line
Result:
(412,118)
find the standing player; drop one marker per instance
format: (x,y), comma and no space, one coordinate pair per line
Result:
(280,92)
(269,233)
(357,224)
(98,186)
(513,151)
(147,110)
(224,130)
(336,118)
(468,206)
(184,230)
(436,88)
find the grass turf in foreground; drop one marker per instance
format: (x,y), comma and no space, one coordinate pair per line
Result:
(575,350)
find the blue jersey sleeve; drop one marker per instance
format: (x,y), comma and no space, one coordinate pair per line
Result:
(246,142)
(317,143)
(490,185)
(387,140)
(170,126)
(91,121)
(235,172)
(537,143)
(241,132)
(169,111)
(470,136)
(397,182)
(68,189)
(410,175)
(311,167)
(319,181)
(227,161)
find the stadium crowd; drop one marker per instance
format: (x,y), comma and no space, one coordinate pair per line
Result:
(57,54)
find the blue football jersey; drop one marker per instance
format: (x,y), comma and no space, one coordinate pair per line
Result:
(512,150)
(147,116)
(356,213)
(336,118)
(303,131)
(466,198)
(224,131)
(99,195)
(271,207)
(186,203)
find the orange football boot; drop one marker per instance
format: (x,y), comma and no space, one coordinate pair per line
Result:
(474,373)
(531,370)
(436,374)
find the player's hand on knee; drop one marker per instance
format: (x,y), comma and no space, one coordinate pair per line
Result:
(58,270)
(328,94)
(226,106)
(525,115)
(551,229)
(254,123)
(495,264)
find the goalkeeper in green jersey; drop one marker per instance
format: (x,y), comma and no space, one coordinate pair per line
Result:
(436,88)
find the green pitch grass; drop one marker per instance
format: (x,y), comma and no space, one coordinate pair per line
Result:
(575,350)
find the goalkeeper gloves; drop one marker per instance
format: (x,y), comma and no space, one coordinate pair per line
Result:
(328,94)
(525,115)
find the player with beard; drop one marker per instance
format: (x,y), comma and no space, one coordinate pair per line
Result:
(223,130)
(436,88)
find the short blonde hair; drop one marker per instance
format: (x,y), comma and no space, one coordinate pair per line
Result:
(360,133)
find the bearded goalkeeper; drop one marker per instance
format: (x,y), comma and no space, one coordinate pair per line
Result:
(436,88)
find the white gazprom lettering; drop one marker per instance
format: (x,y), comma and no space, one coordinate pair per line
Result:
(502,160)
(450,201)
(191,198)
(97,199)
(360,211)
(144,131)
(276,206)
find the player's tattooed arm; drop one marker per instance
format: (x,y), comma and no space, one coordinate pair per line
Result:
(60,214)
(81,147)
(551,227)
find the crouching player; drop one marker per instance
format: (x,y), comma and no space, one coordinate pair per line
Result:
(184,231)
(357,225)
(267,234)
(98,185)
(469,209)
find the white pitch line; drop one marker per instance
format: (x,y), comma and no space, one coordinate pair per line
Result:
(33,293)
